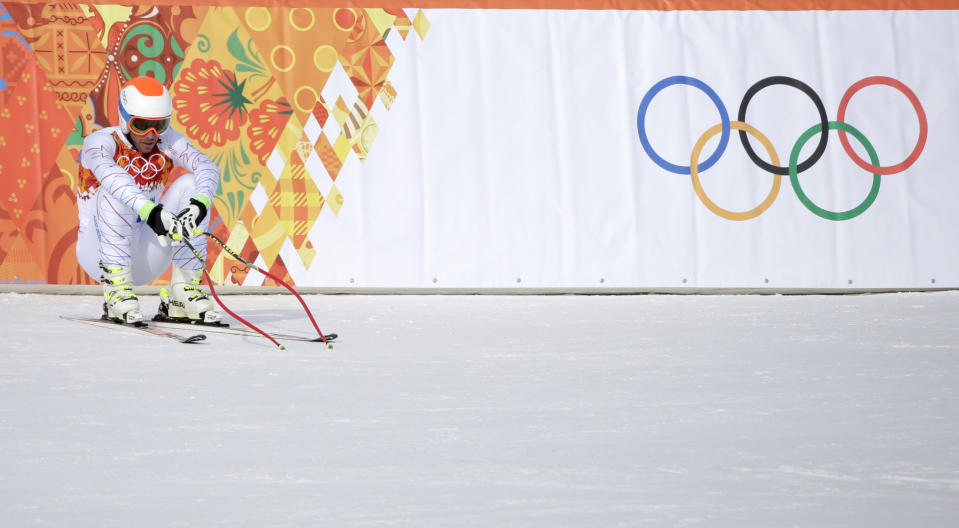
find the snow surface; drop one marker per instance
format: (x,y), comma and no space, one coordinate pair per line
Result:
(439,411)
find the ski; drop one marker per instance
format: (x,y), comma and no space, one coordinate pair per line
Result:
(146,328)
(227,329)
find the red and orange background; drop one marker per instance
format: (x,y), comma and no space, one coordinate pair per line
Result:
(248,85)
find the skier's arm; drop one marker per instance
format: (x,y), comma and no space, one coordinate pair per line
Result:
(97,156)
(205,173)
(184,154)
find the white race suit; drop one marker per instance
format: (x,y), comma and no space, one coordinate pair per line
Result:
(116,180)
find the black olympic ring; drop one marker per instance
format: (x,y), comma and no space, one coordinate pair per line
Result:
(823,121)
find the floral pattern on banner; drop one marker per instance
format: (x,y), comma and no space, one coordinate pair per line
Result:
(222,84)
(210,103)
(250,89)
(266,123)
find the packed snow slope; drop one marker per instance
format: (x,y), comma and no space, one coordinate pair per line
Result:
(525,411)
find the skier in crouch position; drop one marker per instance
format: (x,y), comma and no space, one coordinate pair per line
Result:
(130,229)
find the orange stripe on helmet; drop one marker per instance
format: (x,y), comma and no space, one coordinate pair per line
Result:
(146,85)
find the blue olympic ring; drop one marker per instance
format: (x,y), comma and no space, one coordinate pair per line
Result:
(641,123)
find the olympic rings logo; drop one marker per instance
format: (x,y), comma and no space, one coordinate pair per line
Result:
(142,168)
(795,166)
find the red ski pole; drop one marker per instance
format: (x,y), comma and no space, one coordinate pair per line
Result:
(217,297)
(237,256)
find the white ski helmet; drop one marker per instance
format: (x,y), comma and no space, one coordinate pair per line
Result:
(145,98)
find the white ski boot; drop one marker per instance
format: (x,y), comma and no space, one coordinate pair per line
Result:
(185,301)
(120,303)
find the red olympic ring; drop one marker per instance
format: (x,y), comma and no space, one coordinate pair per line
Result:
(923,125)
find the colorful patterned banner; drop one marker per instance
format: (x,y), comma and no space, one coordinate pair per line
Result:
(536,144)
(279,97)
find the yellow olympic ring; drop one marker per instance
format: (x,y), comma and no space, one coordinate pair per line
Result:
(694,173)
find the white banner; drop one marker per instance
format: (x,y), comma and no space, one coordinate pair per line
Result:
(514,156)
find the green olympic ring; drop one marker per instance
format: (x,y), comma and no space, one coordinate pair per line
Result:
(794,172)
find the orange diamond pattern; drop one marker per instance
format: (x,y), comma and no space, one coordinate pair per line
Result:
(296,200)
(328,156)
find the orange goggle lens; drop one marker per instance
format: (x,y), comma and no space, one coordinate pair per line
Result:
(140,125)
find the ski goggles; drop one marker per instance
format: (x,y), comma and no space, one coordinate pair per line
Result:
(143,125)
